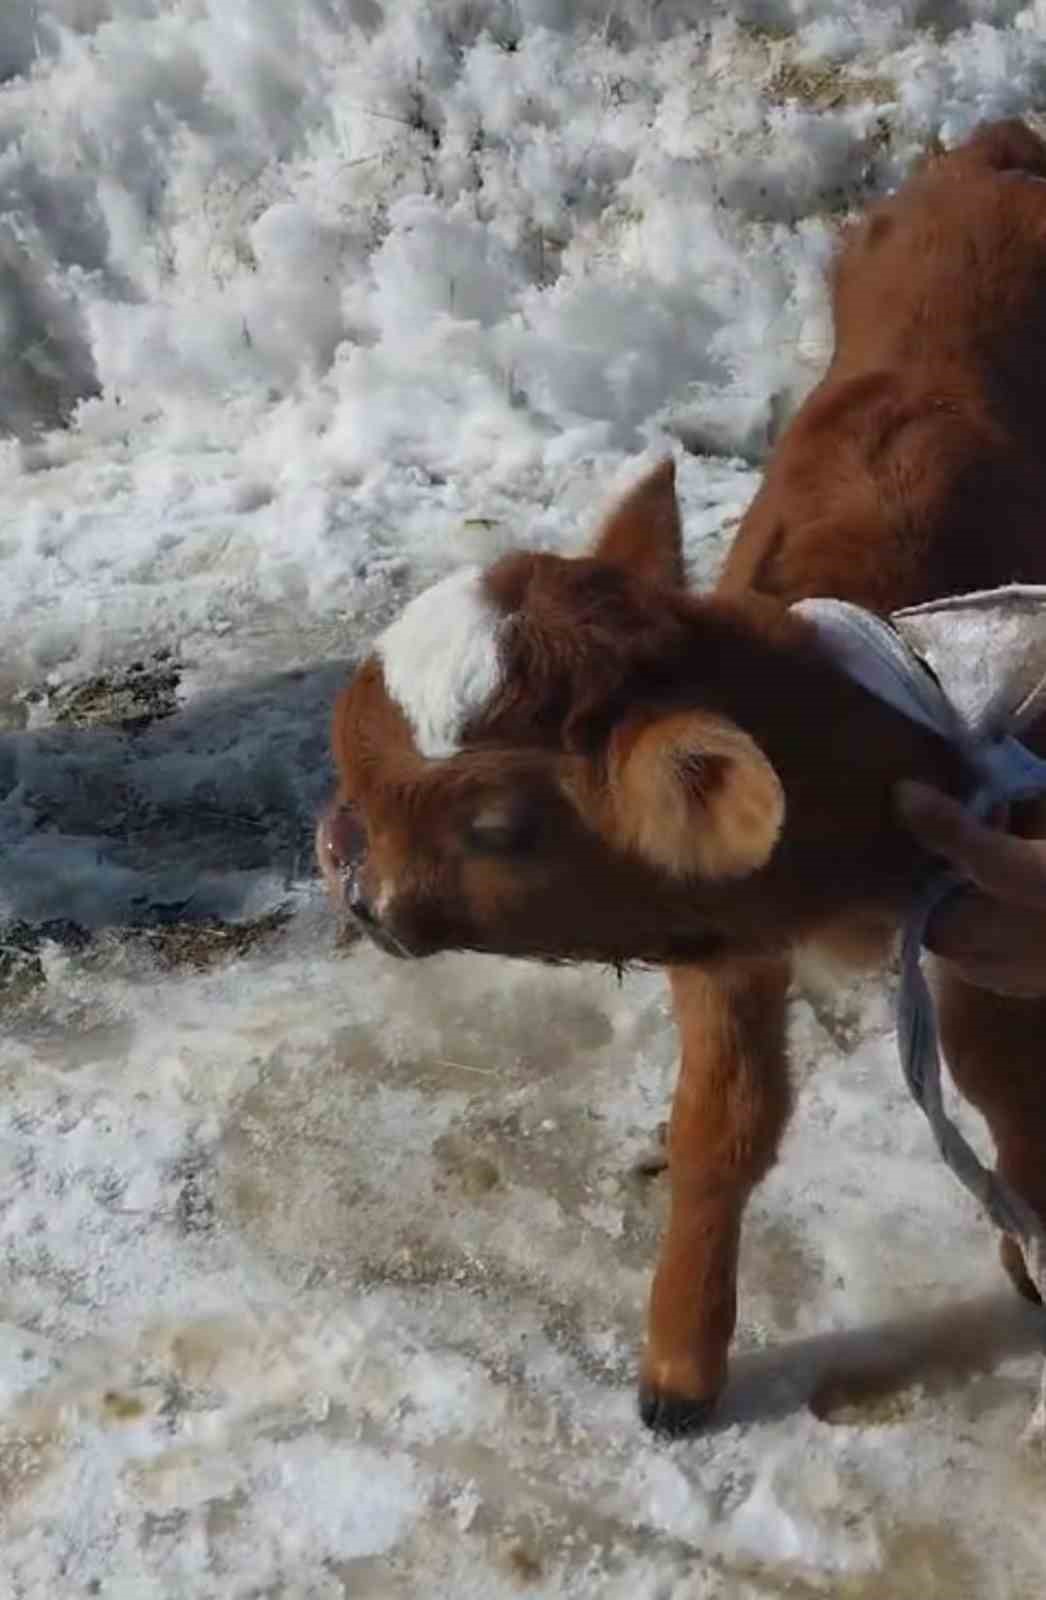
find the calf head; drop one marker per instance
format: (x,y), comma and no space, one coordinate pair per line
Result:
(515,778)
(555,758)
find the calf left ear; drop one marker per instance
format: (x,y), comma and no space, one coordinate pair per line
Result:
(695,795)
(643,533)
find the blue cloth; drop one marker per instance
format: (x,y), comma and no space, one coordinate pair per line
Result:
(872,652)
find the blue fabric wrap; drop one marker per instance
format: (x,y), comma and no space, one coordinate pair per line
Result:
(871,652)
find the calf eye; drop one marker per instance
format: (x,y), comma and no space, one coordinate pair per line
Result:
(499,831)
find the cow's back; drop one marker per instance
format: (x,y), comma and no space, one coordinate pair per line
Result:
(917,467)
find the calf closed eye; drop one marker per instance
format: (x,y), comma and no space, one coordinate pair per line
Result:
(502,831)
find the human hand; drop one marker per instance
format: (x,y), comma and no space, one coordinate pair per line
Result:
(994,933)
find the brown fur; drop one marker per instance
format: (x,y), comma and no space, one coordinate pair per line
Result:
(687,780)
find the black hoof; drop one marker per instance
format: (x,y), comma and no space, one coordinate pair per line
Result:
(654,1161)
(673,1415)
(651,1164)
(1012,1258)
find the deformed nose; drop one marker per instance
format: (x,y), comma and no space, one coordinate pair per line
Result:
(356,902)
(341,850)
(347,837)
(340,842)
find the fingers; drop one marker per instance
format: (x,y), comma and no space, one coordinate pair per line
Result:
(991,945)
(1009,868)
(996,938)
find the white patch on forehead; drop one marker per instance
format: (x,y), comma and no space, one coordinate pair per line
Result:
(440,660)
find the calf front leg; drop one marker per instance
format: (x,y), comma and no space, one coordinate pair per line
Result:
(730,1108)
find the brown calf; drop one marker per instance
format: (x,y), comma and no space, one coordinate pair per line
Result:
(578,760)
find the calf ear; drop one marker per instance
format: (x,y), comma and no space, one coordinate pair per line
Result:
(643,533)
(695,796)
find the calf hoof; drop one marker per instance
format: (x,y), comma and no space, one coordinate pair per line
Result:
(654,1160)
(1012,1257)
(673,1416)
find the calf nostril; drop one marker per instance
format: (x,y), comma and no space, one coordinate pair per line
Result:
(357,904)
(341,846)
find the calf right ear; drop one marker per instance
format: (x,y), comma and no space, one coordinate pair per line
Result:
(643,533)
(694,794)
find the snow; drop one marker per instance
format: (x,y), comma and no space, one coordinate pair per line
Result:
(323,1274)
